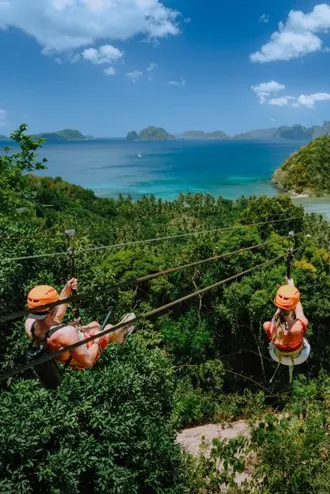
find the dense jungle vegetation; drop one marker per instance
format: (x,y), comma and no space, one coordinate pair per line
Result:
(112,429)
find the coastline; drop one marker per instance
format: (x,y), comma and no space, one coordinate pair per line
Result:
(294,195)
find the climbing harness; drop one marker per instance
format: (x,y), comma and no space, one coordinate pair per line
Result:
(48,373)
(289,359)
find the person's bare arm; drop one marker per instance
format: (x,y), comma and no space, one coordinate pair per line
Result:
(60,310)
(27,326)
(300,314)
(299,309)
(85,357)
(266,327)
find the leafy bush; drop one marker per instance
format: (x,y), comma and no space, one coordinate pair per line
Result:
(104,430)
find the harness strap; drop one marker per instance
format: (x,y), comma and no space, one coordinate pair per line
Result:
(53,330)
(49,333)
(32,330)
(292,355)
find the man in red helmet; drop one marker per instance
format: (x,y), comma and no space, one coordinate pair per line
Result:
(45,325)
(288,327)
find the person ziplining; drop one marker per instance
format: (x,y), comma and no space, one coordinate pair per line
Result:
(287,330)
(46,331)
(52,340)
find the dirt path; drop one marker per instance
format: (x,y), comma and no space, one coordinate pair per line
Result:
(190,439)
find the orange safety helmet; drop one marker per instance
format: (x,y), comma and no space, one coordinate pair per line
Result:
(39,296)
(287,297)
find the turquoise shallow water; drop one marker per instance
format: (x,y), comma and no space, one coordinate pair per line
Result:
(109,167)
(227,168)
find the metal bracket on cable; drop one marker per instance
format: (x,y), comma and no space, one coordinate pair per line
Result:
(290,255)
(70,233)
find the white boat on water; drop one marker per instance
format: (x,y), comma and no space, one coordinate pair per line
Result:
(139,155)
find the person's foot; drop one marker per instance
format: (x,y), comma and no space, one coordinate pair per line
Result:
(129,329)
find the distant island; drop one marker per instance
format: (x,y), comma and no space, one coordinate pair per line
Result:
(61,135)
(307,171)
(217,135)
(294,133)
(150,134)
(283,133)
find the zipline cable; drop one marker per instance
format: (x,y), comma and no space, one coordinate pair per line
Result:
(148,241)
(37,256)
(41,235)
(93,293)
(139,317)
(30,237)
(182,235)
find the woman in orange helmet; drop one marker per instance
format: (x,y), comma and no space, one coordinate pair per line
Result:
(45,326)
(288,327)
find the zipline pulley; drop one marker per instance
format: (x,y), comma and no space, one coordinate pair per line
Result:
(71,234)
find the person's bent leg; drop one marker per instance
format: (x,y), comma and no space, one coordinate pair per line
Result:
(92,327)
(117,336)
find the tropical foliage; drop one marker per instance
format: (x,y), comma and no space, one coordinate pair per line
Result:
(307,170)
(112,428)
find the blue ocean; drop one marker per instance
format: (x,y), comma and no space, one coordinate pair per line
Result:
(166,168)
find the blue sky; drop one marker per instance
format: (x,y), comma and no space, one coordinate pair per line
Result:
(212,64)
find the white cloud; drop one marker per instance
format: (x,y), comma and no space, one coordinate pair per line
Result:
(264,18)
(296,37)
(187,20)
(283,101)
(58,60)
(135,75)
(181,83)
(265,89)
(104,54)
(273,119)
(152,66)
(75,58)
(3,116)
(110,71)
(61,25)
(308,101)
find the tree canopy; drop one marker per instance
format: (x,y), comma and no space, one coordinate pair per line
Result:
(112,428)
(307,170)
